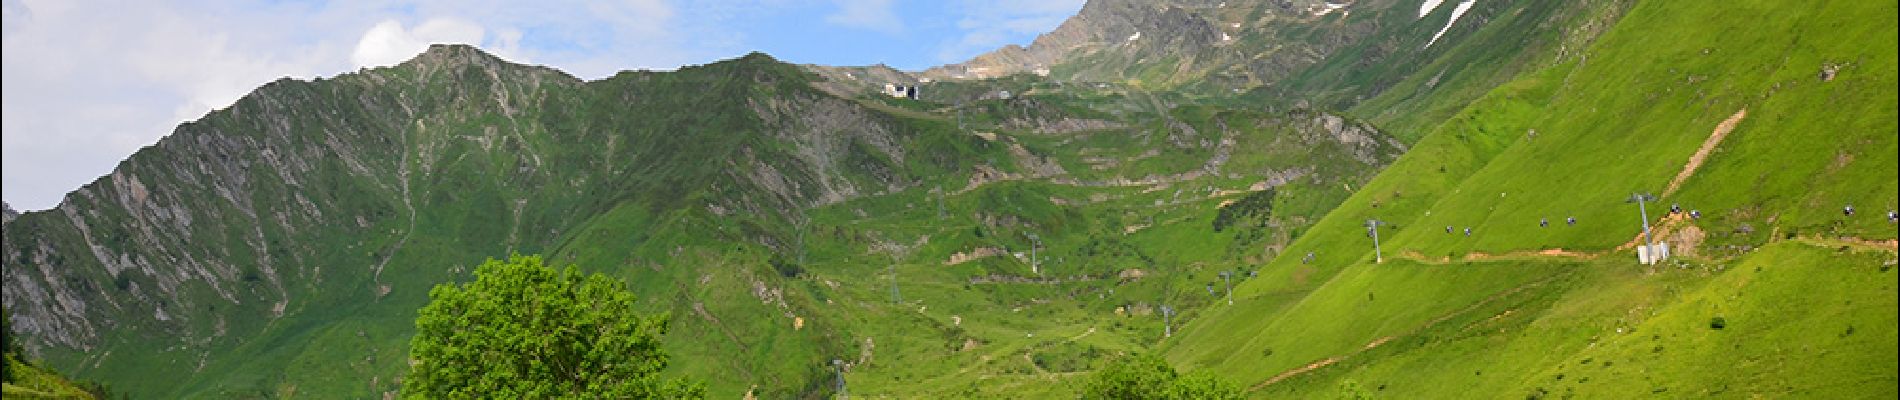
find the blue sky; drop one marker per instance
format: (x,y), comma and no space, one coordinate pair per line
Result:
(88,82)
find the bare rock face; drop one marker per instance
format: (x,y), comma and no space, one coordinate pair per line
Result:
(850,81)
(1362,140)
(1133,27)
(828,137)
(1231,42)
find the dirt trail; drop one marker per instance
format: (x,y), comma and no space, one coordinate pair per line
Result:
(1889,245)
(1674,229)
(1322,363)
(1294,372)
(1556,252)
(1550,253)
(1702,154)
(1662,231)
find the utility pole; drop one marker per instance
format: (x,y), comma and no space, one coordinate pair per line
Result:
(895,297)
(838,365)
(1649,243)
(800,223)
(1228,276)
(1372,227)
(1034,264)
(897,250)
(1167,325)
(959,114)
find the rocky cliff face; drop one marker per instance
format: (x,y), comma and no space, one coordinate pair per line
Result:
(1330,54)
(1122,32)
(1098,26)
(218,214)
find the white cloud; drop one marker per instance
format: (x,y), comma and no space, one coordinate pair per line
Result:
(88,82)
(875,15)
(388,43)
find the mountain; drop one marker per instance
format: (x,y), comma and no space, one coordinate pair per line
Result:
(1399,64)
(1763,121)
(1028,218)
(282,245)
(321,211)
(1169,28)
(27,381)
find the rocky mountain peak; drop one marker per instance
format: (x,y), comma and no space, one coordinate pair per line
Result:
(1171,27)
(450,55)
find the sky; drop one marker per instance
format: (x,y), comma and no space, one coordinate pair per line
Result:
(89,82)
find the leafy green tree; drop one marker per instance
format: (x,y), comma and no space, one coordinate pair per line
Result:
(1201,385)
(1150,377)
(523,330)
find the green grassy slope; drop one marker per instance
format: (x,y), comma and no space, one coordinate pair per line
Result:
(37,383)
(769,203)
(1626,117)
(699,187)
(1408,92)
(992,327)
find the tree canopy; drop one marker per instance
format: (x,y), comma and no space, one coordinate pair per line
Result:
(1150,377)
(524,330)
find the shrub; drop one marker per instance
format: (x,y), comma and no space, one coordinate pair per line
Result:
(1257,204)
(788,269)
(1150,377)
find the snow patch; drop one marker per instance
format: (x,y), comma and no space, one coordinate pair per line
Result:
(1455,13)
(1428,6)
(1132,38)
(1327,8)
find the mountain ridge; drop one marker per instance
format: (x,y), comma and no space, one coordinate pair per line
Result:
(797,223)
(378,170)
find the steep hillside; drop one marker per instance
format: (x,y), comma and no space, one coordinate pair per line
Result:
(281,247)
(250,245)
(1396,63)
(1028,219)
(1765,119)
(26,381)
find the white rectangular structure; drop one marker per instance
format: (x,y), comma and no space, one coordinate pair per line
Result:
(1652,254)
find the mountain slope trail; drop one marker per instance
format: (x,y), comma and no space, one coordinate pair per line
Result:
(1322,363)
(1702,153)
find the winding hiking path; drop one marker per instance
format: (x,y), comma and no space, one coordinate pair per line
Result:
(1322,363)
(1857,243)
